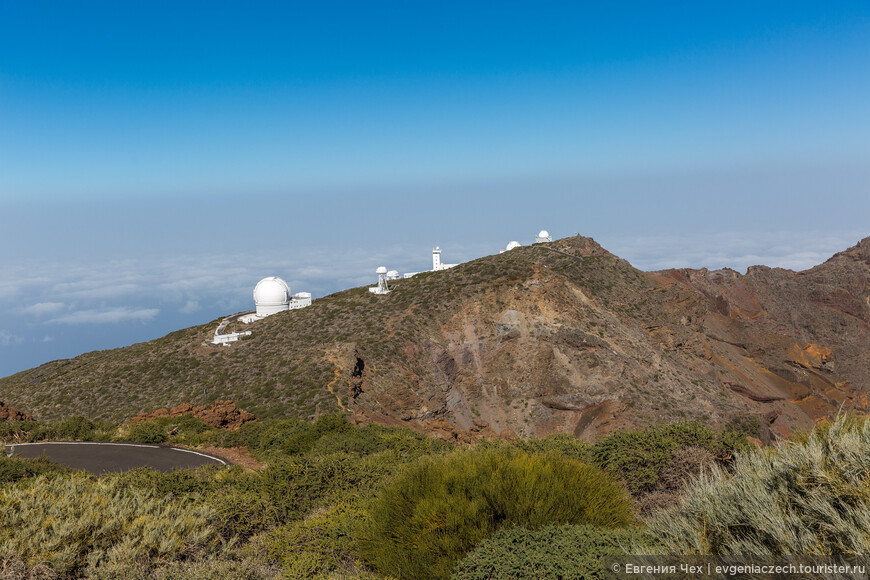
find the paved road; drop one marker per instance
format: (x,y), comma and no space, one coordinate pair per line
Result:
(100,458)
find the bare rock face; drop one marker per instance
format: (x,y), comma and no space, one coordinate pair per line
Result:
(220,414)
(562,337)
(8,413)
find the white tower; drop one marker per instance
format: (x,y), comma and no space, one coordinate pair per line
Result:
(436,259)
(382,287)
(543,237)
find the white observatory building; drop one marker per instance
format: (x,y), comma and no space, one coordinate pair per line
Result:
(511,245)
(272,295)
(543,237)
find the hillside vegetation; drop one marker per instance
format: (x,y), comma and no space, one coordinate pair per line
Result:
(560,337)
(333,501)
(337,501)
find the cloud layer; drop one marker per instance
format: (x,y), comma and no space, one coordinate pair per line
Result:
(59,309)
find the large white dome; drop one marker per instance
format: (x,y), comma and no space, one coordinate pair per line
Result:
(544,234)
(512,245)
(271,295)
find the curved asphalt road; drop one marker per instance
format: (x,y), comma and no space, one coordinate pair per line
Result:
(100,458)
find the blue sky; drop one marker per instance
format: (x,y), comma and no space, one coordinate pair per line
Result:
(157,159)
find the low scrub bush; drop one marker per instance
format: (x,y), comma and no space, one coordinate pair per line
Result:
(77,525)
(684,466)
(244,512)
(551,553)
(561,443)
(298,485)
(14,469)
(207,568)
(179,482)
(373,438)
(316,546)
(809,497)
(77,428)
(429,515)
(638,456)
(147,432)
(295,437)
(185,429)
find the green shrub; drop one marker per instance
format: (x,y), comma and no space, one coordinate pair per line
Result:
(147,432)
(808,498)
(745,424)
(244,512)
(300,484)
(319,544)
(551,553)
(76,524)
(638,456)
(16,431)
(178,483)
(13,469)
(561,443)
(75,428)
(208,568)
(372,438)
(295,437)
(428,516)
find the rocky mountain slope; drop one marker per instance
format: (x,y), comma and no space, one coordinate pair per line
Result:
(554,337)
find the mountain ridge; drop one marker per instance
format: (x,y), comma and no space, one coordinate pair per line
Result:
(556,337)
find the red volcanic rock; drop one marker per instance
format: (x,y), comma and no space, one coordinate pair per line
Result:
(8,413)
(220,414)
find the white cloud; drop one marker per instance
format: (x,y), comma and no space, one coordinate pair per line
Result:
(8,339)
(107,316)
(190,306)
(44,308)
(47,339)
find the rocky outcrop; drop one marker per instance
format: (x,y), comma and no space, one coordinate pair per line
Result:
(8,413)
(561,337)
(220,414)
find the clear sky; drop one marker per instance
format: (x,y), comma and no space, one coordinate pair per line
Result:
(158,158)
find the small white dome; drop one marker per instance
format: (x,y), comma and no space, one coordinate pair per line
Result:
(513,244)
(271,291)
(544,234)
(381,270)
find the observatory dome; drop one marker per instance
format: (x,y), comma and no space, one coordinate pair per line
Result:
(544,234)
(271,295)
(512,245)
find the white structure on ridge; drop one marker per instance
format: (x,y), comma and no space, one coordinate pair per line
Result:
(543,237)
(272,295)
(437,265)
(382,287)
(436,261)
(511,245)
(393,275)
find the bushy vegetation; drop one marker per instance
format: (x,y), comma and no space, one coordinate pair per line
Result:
(330,493)
(14,469)
(807,497)
(76,525)
(424,520)
(75,428)
(552,553)
(638,456)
